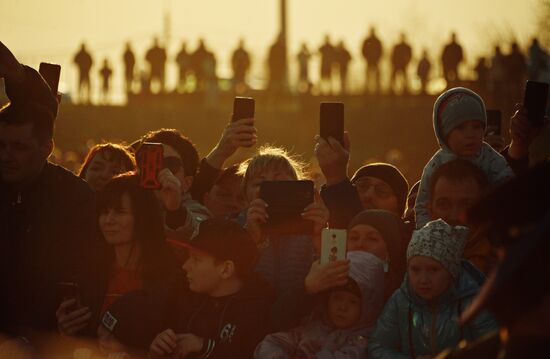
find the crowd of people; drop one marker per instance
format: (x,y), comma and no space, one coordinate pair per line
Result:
(96,265)
(197,68)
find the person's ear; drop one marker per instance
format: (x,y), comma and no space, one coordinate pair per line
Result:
(228,269)
(186,183)
(46,148)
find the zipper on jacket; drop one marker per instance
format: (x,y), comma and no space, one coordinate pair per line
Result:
(433,329)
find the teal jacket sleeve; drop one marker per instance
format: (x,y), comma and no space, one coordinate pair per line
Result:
(386,338)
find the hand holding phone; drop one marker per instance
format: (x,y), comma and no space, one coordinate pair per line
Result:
(286,201)
(333,245)
(150,162)
(51,73)
(243,107)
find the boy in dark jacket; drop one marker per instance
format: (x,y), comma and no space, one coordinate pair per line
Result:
(224,311)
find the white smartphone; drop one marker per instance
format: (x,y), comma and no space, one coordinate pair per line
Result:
(333,245)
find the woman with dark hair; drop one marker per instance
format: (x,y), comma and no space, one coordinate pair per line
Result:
(104,161)
(131,224)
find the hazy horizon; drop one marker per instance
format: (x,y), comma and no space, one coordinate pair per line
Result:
(52,31)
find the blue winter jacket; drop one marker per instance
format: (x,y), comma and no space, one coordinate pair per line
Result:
(409,327)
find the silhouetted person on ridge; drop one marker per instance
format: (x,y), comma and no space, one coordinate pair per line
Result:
(209,69)
(372,52)
(516,71)
(343,58)
(423,71)
(328,60)
(482,75)
(183,60)
(240,63)
(303,57)
(198,59)
(105,72)
(83,61)
(400,59)
(156,57)
(537,60)
(498,74)
(276,63)
(129,63)
(451,58)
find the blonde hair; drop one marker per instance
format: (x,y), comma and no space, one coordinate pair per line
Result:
(270,157)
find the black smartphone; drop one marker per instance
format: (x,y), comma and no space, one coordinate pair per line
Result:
(535,101)
(286,201)
(50,73)
(149,162)
(243,107)
(332,121)
(494,123)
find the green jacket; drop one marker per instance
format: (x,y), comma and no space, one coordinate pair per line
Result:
(409,327)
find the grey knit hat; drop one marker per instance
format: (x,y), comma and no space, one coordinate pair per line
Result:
(455,106)
(439,241)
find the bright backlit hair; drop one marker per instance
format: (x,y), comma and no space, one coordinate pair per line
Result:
(271,158)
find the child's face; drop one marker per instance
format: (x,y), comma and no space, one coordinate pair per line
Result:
(272,174)
(428,278)
(101,169)
(344,309)
(203,274)
(465,140)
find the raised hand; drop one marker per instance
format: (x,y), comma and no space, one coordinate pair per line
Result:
(333,158)
(240,133)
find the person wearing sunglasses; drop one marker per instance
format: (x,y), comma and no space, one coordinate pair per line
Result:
(183,214)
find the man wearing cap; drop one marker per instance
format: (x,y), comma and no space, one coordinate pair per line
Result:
(223,312)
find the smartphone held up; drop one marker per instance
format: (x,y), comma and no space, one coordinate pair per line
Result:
(243,107)
(331,121)
(286,201)
(149,163)
(333,245)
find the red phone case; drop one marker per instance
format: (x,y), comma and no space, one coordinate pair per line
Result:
(149,160)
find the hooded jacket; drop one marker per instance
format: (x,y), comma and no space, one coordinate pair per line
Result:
(488,160)
(317,338)
(410,327)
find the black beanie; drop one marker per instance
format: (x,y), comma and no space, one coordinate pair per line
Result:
(389,174)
